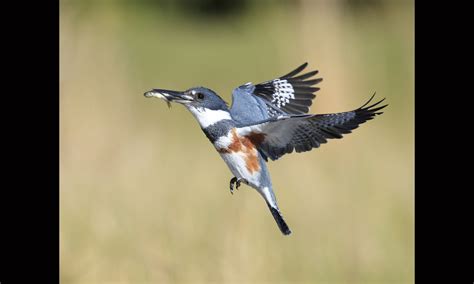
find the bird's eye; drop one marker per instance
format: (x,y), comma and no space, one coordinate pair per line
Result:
(200,96)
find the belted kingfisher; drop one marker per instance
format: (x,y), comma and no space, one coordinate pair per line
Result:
(266,121)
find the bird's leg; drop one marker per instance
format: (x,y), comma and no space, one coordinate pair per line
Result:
(237,185)
(232,182)
(237,182)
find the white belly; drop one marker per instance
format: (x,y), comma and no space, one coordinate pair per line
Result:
(241,157)
(238,165)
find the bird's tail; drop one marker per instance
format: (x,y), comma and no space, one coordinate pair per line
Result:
(279,220)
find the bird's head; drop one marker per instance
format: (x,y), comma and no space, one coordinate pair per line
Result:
(206,106)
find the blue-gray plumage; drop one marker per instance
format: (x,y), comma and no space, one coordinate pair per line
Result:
(266,120)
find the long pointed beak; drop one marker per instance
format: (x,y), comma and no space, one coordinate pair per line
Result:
(169,96)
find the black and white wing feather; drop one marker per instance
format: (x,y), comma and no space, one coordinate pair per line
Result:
(290,93)
(301,133)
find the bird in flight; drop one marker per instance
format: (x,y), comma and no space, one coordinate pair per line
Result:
(266,121)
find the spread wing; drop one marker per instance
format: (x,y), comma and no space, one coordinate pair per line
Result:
(290,93)
(283,134)
(286,95)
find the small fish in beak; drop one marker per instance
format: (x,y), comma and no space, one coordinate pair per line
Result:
(169,96)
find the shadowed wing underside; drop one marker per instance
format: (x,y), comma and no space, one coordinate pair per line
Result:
(302,133)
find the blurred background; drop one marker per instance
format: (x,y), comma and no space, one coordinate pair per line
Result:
(145,197)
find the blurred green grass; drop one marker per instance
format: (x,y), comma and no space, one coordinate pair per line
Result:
(144,196)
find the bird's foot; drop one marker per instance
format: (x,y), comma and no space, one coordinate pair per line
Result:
(235,181)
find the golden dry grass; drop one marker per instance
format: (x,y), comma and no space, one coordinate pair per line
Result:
(144,196)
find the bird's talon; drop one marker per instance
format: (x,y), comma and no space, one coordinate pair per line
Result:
(232,182)
(236,181)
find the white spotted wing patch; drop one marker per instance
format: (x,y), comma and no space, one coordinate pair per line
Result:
(283,92)
(289,94)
